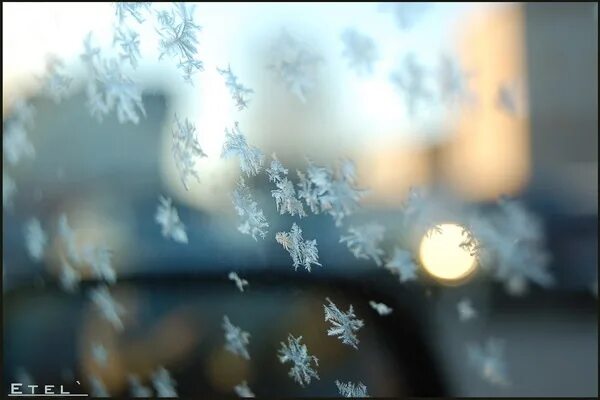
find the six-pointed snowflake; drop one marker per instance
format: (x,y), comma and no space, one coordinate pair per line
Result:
(254,223)
(381,308)
(168,218)
(239,92)
(251,158)
(163,383)
(360,51)
(349,389)
(303,252)
(344,324)
(236,340)
(302,371)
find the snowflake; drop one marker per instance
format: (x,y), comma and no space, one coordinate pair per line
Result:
(67,237)
(236,339)
(15,142)
(98,258)
(453,82)
(251,158)
(239,282)
(276,169)
(56,83)
(410,79)
(110,309)
(360,51)
(489,361)
(350,389)
(129,41)
(9,188)
(381,308)
(344,324)
(178,38)
(302,371)
(303,252)
(254,223)
(186,150)
(98,389)
(403,265)
(99,354)
(35,239)
(239,92)
(136,388)
(465,310)
(163,383)
(242,390)
(365,241)
(69,278)
(132,8)
(168,218)
(419,212)
(407,14)
(295,64)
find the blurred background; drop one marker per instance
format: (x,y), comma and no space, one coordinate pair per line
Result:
(520,120)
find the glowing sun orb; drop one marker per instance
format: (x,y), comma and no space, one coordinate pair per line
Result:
(441,254)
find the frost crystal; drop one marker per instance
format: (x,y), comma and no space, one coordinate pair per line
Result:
(465,310)
(410,79)
(251,158)
(132,8)
(35,239)
(98,389)
(239,92)
(67,237)
(295,64)
(129,41)
(407,14)
(178,38)
(163,383)
(360,51)
(168,218)
(276,169)
(15,143)
(365,241)
(381,308)
(350,389)
(302,371)
(236,339)
(489,361)
(110,309)
(186,150)
(254,222)
(99,354)
(285,194)
(69,278)
(403,265)
(136,388)
(344,324)
(9,188)
(56,83)
(242,390)
(98,258)
(453,82)
(239,282)
(303,252)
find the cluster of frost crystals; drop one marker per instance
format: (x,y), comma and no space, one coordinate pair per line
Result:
(136,388)
(254,222)
(99,260)
(360,51)
(510,244)
(251,158)
(333,193)
(489,361)
(407,14)
(178,38)
(419,212)
(98,389)
(302,371)
(243,391)
(303,252)
(239,282)
(344,324)
(295,63)
(236,339)
(285,194)
(35,239)
(56,83)
(163,383)
(381,308)
(9,188)
(129,42)
(134,9)
(403,265)
(109,88)
(168,219)
(349,389)
(186,150)
(239,92)
(453,83)
(410,80)
(365,241)
(108,307)
(465,310)
(15,143)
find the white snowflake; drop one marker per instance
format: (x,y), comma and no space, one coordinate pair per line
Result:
(236,339)
(163,383)
(403,265)
(276,170)
(344,324)
(381,308)
(407,14)
(134,8)
(365,241)
(239,282)
(453,83)
(254,222)
(67,237)
(98,389)
(302,371)
(99,354)
(239,92)
(98,258)
(9,189)
(168,218)
(489,361)
(410,80)
(129,41)
(15,143)
(108,307)
(186,150)
(136,388)
(69,277)
(360,51)
(242,390)
(35,239)
(56,82)
(303,252)
(349,389)
(465,310)
(251,158)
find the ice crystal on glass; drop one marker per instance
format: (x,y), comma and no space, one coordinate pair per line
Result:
(253,220)
(56,82)
(239,282)
(365,241)
(344,324)
(98,389)
(303,252)
(349,389)
(403,265)
(236,340)
(239,92)
(136,388)
(410,80)
(381,308)
(285,194)
(168,219)
(15,142)
(69,277)
(108,307)
(67,237)
(99,260)
(302,370)
(186,150)
(35,239)
(134,8)
(360,51)
(129,42)
(251,158)
(243,391)
(453,82)
(163,383)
